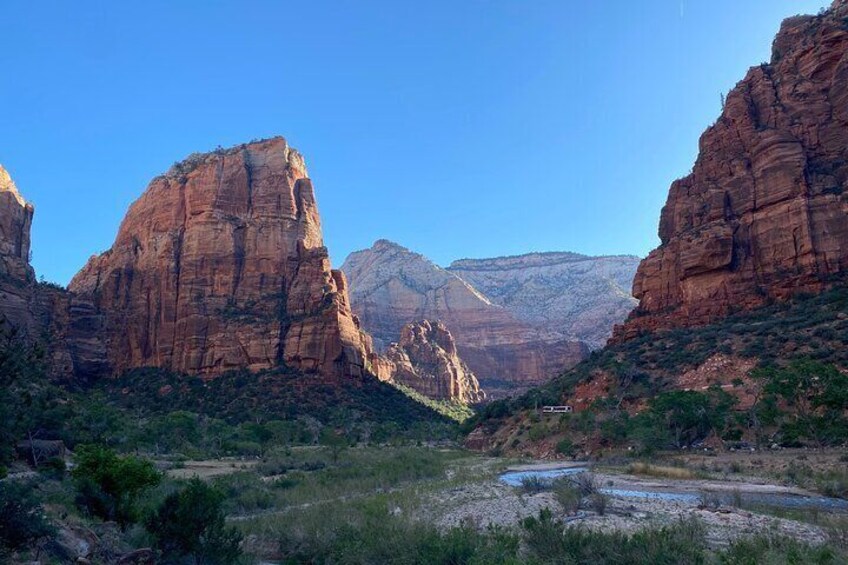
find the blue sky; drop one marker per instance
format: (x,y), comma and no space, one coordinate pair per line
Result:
(457,128)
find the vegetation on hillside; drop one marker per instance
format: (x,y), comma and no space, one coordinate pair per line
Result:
(800,393)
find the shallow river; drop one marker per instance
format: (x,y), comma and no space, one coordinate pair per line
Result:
(515,478)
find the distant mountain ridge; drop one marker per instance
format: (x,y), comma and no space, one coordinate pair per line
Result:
(568,295)
(508,344)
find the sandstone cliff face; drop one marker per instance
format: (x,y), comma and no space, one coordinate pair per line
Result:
(16,275)
(764,212)
(566,295)
(425,359)
(220,265)
(38,311)
(15,223)
(392,286)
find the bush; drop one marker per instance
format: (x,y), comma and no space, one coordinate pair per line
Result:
(568,495)
(599,501)
(109,485)
(22,519)
(532,484)
(776,549)
(565,447)
(190,523)
(550,541)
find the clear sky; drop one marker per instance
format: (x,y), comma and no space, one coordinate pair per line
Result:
(458,128)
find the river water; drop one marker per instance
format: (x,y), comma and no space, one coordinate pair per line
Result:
(784,500)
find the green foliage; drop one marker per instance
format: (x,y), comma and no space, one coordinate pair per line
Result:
(565,447)
(22,518)
(190,524)
(109,485)
(568,495)
(31,407)
(246,413)
(774,549)
(801,409)
(816,398)
(372,531)
(335,441)
(689,416)
(550,541)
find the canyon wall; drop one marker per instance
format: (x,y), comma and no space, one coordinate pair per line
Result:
(764,213)
(392,286)
(220,265)
(567,295)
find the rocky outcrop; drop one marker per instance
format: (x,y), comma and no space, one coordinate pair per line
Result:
(425,359)
(566,295)
(219,265)
(40,312)
(16,276)
(15,223)
(764,213)
(392,286)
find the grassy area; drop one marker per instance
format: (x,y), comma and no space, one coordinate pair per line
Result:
(304,476)
(679,473)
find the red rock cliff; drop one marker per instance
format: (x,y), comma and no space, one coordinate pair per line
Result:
(219,265)
(764,213)
(426,359)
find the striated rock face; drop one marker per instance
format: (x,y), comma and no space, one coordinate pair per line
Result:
(764,213)
(392,286)
(39,311)
(426,360)
(220,265)
(16,276)
(567,295)
(15,223)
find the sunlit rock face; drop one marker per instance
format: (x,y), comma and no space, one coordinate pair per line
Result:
(764,213)
(425,358)
(220,264)
(566,295)
(392,287)
(15,223)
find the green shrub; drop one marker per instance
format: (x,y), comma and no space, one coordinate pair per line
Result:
(22,518)
(777,549)
(109,485)
(568,495)
(550,541)
(190,523)
(565,447)
(533,484)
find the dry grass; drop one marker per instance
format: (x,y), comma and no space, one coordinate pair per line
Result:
(639,468)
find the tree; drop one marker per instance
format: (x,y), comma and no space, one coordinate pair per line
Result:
(29,406)
(690,416)
(22,519)
(109,485)
(815,399)
(190,524)
(335,441)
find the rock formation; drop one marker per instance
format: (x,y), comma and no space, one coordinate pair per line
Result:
(426,360)
(763,214)
(15,223)
(36,310)
(220,265)
(392,286)
(567,295)
(16,275)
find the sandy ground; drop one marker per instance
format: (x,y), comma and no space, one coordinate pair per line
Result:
(210,468)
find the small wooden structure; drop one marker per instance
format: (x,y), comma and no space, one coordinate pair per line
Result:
(556,409)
